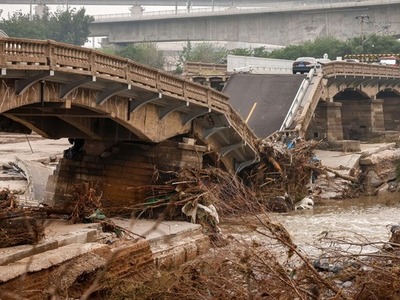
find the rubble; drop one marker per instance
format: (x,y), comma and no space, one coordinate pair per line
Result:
(266,265)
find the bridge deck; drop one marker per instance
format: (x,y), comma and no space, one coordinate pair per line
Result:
(118,90)
(263,91)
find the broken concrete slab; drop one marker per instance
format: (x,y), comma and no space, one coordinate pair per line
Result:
(42,261)
(168,243)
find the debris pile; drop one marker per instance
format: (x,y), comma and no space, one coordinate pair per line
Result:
(87,203)
(287,172)
(260,261)
(18,226)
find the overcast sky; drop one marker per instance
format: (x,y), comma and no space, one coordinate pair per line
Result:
(90,9)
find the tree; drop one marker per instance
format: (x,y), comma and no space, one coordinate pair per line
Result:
(203,52)
(334,47)
(374,44)
(145,53)
(23,26)
(317,48)
(68,26)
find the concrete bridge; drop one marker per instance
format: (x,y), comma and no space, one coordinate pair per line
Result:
(342,104)
(59,90)
(147,2)
(151,118)
(282,23)
(352,101)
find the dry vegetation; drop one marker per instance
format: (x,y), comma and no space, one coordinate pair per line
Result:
(253,256)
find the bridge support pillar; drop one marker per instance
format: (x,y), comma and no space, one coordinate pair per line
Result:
(377,117)
(334,122)
(121,176)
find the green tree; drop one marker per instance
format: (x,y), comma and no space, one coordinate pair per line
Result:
(334,47)
(317,48)
(203,52)
(374,44)
(23,26)
(242,51)
(68,26)
(145,53)
(208,53)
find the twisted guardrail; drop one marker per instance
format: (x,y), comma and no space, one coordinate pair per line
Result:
(28,54)
(330,70)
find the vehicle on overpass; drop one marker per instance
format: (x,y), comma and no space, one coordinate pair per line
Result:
(389,60)
(304,65)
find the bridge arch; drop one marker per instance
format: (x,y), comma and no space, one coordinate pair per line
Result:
(357,101)
(107,97)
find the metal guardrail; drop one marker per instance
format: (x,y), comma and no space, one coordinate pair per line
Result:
(27,54)
(298,99)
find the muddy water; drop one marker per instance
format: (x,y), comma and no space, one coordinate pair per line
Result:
(363,220)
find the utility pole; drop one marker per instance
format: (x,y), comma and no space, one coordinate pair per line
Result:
(363,19)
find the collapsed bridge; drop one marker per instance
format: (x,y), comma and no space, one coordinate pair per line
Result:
(150,117)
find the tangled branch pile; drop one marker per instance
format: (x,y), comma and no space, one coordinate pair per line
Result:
(261,262)
(7,200)
(86,202)
(282,170)
(18,226)
(207,186)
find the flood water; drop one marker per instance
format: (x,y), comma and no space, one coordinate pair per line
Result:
(364,220)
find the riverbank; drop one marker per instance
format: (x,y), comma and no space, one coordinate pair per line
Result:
(246,245)
(370,170)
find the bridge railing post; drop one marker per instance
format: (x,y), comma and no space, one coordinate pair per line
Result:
(2,52)
(51,60)
(92,63)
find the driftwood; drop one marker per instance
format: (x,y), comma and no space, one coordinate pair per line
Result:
(275,164)
(346,177)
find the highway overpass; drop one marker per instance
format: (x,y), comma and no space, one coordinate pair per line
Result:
(285,23)
(237,3)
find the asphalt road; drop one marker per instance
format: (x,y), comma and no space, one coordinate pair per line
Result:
(271,95)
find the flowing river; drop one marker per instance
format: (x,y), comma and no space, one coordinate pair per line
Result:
(361,220)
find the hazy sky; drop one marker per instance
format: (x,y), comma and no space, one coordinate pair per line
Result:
(90,9)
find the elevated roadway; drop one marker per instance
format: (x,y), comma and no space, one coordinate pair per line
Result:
(237,3)
(282,23)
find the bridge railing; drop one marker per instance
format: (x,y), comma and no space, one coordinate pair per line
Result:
(199,68)
(26,54)
(339,68)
